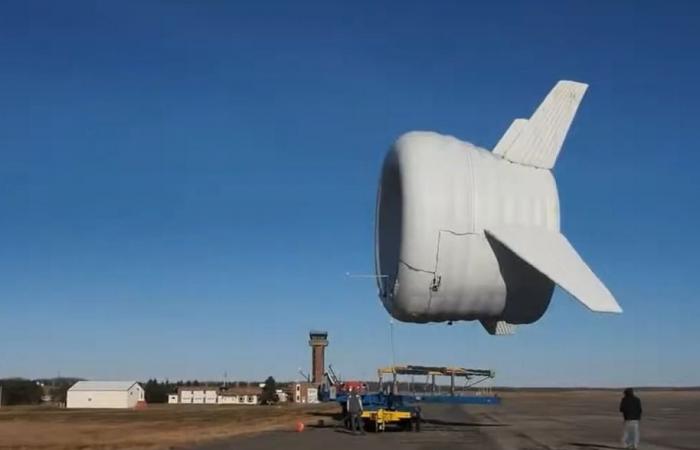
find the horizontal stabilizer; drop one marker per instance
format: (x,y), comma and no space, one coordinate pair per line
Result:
(498,327)
(552,254)
(537,141)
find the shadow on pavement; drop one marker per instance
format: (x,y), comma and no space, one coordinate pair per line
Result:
(463,424)
(330,416)
(325,424)
(592,445)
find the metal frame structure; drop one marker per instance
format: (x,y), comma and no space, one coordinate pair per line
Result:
(472,377)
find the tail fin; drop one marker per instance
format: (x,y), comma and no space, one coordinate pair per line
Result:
(498,327)
(537,141)
(511,135)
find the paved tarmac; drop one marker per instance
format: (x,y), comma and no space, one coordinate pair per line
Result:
(564,421)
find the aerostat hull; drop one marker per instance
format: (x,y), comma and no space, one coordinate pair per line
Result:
(463,233)
(436,198)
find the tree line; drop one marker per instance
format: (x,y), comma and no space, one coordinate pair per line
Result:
(20,391)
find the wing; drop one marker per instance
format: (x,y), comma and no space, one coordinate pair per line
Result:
(552,254)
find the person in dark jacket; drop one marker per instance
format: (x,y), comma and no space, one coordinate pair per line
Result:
(416,418)
(354,408)
(631,409)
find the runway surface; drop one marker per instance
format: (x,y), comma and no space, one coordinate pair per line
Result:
(567,421)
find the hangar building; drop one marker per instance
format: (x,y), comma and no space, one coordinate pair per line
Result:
(105,394)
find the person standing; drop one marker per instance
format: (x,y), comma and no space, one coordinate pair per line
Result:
(416,416)
(631,409)
(354,407)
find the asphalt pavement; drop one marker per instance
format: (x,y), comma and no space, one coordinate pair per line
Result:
(563,421)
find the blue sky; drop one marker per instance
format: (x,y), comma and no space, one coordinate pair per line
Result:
(184,185)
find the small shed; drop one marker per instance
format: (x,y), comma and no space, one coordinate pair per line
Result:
(105,394)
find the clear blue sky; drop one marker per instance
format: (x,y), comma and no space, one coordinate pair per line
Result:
(184,185)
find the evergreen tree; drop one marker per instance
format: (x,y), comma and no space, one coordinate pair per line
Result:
(269,392)
(18,391)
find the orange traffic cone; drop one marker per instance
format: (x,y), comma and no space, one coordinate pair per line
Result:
(300,426)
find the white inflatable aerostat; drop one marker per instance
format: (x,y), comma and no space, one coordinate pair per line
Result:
(467,234)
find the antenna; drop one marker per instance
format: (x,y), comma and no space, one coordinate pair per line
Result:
(364,275)
(335,378)
(306,377)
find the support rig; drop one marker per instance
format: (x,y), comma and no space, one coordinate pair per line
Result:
(398,402)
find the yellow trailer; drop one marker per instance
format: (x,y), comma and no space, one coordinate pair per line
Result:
(379,418)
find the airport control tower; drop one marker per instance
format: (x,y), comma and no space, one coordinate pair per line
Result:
(318,341)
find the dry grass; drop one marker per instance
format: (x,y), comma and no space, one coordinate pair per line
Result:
(159,426)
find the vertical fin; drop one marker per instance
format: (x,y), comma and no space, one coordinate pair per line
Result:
(541,138)
(510,136)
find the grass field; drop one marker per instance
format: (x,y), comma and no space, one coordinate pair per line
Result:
(158,426)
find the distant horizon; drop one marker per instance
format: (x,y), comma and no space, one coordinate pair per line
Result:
(284,381)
